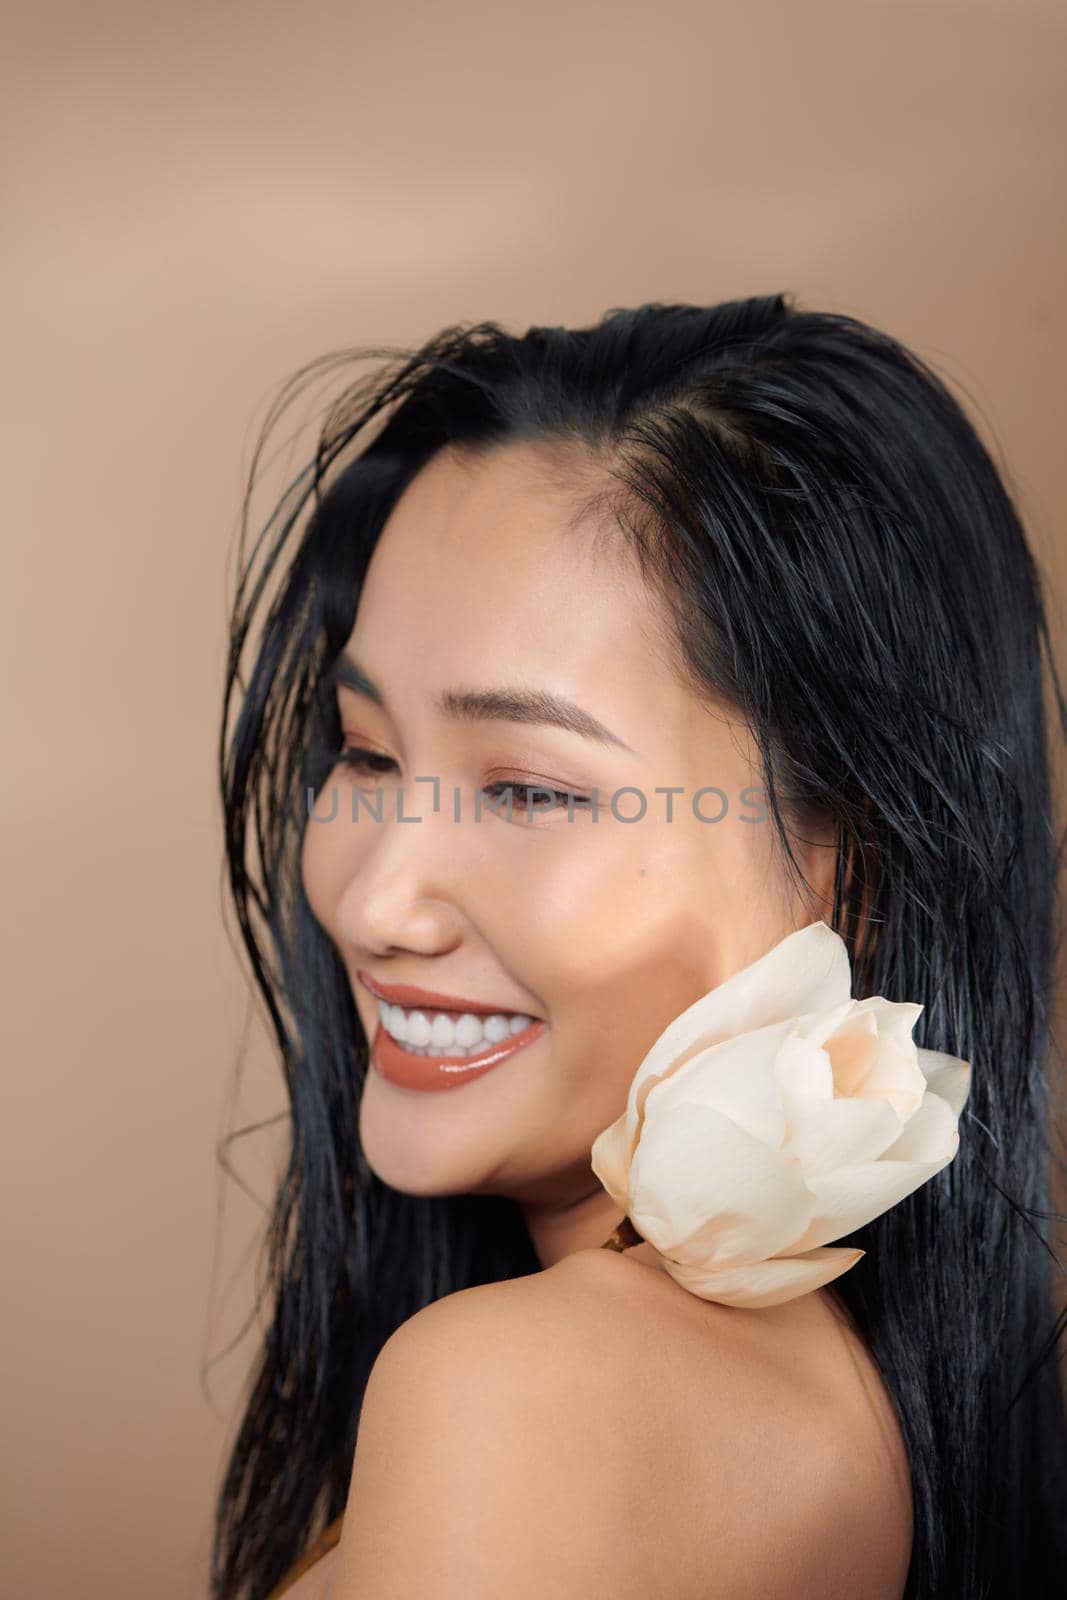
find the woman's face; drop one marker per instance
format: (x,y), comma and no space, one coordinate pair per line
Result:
(602,929)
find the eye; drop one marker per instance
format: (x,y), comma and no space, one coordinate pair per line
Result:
(529,798)
(368,762)
(545,797)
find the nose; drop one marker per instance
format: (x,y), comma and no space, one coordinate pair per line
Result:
(401,891)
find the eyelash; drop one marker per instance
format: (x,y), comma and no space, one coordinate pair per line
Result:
(356,757)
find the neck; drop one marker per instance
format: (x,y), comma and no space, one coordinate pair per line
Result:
(582,1224)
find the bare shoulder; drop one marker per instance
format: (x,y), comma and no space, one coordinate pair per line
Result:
(592,1428)
(796,1477)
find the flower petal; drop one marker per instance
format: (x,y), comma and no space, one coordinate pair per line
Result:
(807,971)
(825,1134)
(736,1077)
(947,1076)
(846,1017)
(874,1055)
(610,1160)
(852,1049)
(803,1073)
(852,1196)
(804,972)
(930,1132)
(895,1075)
(894,1017)
(701,1184)
(765,1283)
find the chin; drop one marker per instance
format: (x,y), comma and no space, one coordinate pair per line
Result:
(425,1144)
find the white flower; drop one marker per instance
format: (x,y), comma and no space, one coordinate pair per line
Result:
(774,1115)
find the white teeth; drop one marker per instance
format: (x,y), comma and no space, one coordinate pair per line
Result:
(438,1034)
(468,1031)
(442,1032)
(418,1028)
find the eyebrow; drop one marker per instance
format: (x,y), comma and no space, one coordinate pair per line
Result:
(535,706)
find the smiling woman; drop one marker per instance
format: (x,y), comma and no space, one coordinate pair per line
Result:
(482,577)
(547,642)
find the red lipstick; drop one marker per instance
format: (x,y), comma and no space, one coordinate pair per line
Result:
(410,1071)
(408,996)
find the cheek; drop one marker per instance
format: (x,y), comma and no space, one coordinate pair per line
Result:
(622,933)
(329,855)
(635,928)
(314,873)
(633,975)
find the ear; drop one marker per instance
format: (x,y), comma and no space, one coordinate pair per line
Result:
(832,860)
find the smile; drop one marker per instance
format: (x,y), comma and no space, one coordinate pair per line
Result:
(443,1050)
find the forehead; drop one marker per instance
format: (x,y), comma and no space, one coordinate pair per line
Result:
(508,556)
(526,502)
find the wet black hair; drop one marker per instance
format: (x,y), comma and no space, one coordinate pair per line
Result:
(846,566)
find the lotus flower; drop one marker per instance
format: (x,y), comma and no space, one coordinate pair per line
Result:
(773,1116)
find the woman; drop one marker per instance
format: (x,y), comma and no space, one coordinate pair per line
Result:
(746,553)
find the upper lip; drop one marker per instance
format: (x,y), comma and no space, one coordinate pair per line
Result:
(408,995)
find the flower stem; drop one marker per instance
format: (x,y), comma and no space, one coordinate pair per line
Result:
(624,1237)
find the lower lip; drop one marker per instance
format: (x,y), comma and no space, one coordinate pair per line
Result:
(392,1061)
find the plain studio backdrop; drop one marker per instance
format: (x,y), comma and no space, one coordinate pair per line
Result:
(198,199)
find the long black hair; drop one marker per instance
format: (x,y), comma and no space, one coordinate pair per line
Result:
(845,564)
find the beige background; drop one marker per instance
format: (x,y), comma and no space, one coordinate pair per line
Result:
(198,198)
